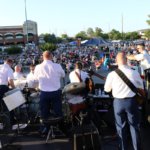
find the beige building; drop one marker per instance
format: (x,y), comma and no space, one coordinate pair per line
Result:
(19,34)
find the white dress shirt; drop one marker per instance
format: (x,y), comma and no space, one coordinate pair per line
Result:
(18,75)
(117,85)
(74,78)
(6,74)
(32,83)
(49,74)
(144,59)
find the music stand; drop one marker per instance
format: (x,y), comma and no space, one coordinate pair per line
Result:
(13,99)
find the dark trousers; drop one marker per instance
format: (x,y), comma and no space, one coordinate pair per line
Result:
(50,101)
(147,80)
(4,112)
(3,90)
(126,112)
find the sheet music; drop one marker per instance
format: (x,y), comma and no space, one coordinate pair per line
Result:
(14,100)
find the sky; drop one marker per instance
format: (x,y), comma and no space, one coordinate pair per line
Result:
(70,17)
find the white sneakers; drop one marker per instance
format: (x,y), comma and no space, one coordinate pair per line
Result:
(1,126)
(19,126)
(15,127)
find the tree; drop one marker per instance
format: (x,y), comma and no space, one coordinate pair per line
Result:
(114,35)
(48,46)
(148,21)
(147,34)
(90,32)
(105,36)
(82,35)
(131,35)
(64,36)
(13,50)
(50,38)
(98,32)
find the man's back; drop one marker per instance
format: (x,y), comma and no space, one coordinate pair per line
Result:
(49,75)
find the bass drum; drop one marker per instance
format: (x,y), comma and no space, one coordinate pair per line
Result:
(77,103)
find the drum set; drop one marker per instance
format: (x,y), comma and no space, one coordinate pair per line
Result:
(22,102)
(74,103)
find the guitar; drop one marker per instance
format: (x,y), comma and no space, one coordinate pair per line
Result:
(91,72)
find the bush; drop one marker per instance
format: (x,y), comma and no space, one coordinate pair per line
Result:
(48,46)
(13,50)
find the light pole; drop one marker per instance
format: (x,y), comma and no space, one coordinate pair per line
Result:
(26,21)
(122,21)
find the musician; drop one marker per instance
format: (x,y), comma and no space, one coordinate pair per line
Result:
(17,73)
(32,83)
(125,105)
(49,74)
(6,78)
(144,58)
(78,75)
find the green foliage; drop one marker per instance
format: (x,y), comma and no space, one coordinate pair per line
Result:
(50,38)
(82,35)
(105,36)
(114,35)
(90,32)
(131,36)
(147,34)
(0,49)
(48,46)
(148,21)
(13,50)
(98,32)
(64,36)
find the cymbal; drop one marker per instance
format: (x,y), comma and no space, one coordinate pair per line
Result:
(74,88)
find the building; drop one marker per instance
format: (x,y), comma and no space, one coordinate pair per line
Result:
(10,35)
(142,33)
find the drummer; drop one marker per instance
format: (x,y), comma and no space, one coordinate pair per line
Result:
(17,73)
(19,78)
(32,83)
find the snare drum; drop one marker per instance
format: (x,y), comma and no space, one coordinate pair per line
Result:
(77,103)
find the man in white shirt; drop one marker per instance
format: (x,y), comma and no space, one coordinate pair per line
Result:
(78,70)
(6,78)
(49,75)
(32,83)
(125,104)
(144,58)
(17,73)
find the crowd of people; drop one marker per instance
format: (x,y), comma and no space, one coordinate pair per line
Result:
(48,68)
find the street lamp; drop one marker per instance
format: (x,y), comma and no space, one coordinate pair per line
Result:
(26,21)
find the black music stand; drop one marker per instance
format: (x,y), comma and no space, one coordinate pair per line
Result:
(15,96)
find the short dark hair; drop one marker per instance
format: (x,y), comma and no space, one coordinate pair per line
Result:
(10,61)
(78,65)
(141,44)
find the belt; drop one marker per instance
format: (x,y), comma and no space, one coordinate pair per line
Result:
(126,98)
(147,69)
(3,85)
